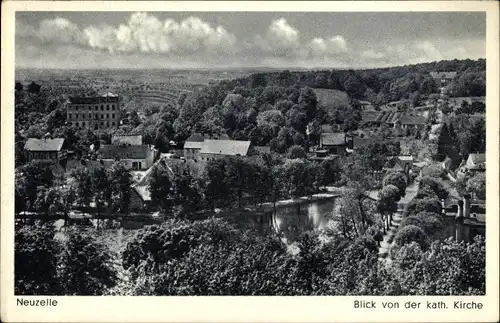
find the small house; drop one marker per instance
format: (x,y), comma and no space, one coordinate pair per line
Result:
(136,157)
(45,149)
(476,162)
(335,143)
(215,149)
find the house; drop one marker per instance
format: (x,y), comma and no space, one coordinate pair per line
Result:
(99,112)
(194,143)
(404,163)
(443,78)
(365,105)
(46,149)
(411,121)
(135,157)
(326,128)
(335,143)
(128,140)
(215,149)
(476,162)
(140,197)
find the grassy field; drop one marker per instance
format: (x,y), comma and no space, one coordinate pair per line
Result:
(331,98)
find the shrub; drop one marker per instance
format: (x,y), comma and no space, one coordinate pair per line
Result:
(411,233)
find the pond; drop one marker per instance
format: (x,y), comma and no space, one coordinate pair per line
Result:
(291,221)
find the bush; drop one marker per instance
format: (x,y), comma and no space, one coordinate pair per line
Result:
(430,187)
(425,204)
(429,222)
(411,233)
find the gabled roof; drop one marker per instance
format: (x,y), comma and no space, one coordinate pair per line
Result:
(34,144)
(478,158)
(333,139)
(326,128)
(127,139)
(193,145)
(196,137)
(405,158)
(123,152)
(225,147)
(109,95)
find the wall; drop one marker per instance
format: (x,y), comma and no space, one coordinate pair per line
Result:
(95,116)
(191,153)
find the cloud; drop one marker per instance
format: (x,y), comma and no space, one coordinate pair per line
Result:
(147,34)
(429,50)
(280,40)
(320,47)
(371,54)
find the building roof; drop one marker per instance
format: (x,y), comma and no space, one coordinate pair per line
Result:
(124,152)
(478,161)
(478,158)
(333,139)
(193,144)
(371,116)
(109,95)
(127,139)
(105,98)
(225,147)
(412,120)
(358,141)
(326,128)
(440,75)
(405,158)
(196,137)
(46,144)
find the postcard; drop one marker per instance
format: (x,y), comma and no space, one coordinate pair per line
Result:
(250,161)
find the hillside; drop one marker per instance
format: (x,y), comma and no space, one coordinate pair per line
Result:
(331,98)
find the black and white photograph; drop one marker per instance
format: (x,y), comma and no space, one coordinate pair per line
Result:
(250,153)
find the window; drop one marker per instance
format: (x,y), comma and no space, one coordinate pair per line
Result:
(140,166)
(113,116)
(90,108)
(90,115)
(107,123)
(78,124)
(107,107)
(113,107)
(102,107)
(96,107)
(102,123)
(113,123)
(102,116)
(107,115)
(69,115)
(96,116)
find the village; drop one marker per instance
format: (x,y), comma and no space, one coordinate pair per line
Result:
(104,112)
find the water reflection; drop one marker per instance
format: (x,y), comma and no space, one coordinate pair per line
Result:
(291,221)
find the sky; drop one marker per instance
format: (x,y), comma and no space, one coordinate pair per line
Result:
(86,40)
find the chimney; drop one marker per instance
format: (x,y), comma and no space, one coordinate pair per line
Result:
(460,212)
(466,203)
(459,224)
